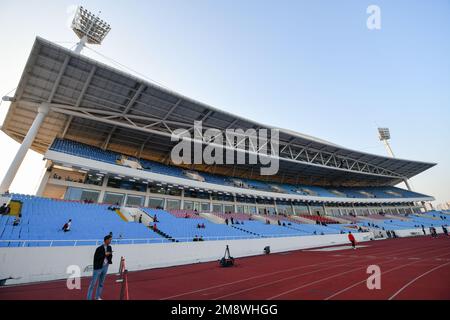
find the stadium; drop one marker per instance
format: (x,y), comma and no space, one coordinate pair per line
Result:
(107,137)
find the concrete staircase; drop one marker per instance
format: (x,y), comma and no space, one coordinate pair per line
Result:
(213,218)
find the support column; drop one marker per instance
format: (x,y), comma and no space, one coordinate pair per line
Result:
(182,200)
(407,184)
(101,196)
(210,203)
(26,144)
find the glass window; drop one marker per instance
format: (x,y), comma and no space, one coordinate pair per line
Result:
(136,201)
(78,194)
(156,203)
(205,206)
(94,179)
(217,208)
(113,198)
(301,209)
(229,208)
(188,205)
(197,206)
(127,185)
(173,204)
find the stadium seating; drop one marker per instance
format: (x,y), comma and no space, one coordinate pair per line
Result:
(42,220)
(90,152)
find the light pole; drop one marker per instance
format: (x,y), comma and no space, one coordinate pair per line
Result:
(385,135)
(89,28)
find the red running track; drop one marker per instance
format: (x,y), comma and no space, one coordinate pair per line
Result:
(413,268)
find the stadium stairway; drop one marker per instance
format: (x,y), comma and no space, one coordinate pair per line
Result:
(302,220)
(212,217)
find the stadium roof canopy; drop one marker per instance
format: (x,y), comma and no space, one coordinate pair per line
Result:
(96,104)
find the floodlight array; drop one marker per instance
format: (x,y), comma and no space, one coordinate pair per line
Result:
(86,24)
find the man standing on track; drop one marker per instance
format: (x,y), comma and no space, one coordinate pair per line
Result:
(102,259)
(352,240)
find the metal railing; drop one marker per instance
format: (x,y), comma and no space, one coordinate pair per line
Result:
(81,242)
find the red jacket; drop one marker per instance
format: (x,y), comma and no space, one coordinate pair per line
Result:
(351,237)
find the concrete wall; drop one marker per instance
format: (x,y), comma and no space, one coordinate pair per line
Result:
(50,263)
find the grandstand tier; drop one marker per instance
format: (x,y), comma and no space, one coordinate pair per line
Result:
(42,219)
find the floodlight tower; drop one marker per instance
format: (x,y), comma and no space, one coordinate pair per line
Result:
(385,135)
(89,28)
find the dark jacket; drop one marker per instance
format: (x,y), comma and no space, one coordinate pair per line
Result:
(99,257)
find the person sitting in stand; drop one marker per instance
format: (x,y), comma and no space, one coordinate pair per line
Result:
(195,238)
(3,209)
(16,221)
(201,238)
(186,216)
(203,226)
(279,222)
(155,228)
(155,219)
(67,225)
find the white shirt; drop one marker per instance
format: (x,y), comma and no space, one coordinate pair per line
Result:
(105,262)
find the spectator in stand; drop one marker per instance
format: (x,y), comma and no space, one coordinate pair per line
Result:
(195,238)
(279,222)
(232,220)
(140,218)
(155,228)
(67,225)
(226,221)
(155,219)
(352,240)
(186,216)
(16,221)
(201,238)
(3,209)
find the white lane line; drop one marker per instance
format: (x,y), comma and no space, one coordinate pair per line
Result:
(415,279)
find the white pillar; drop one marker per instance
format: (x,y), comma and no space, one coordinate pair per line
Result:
(182,200)
(43,184)
(26,144)
(103,190)
(408,186)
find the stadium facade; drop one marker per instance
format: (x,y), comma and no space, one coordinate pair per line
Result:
(106,137)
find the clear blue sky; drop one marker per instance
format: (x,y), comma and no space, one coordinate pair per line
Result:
(310,66)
